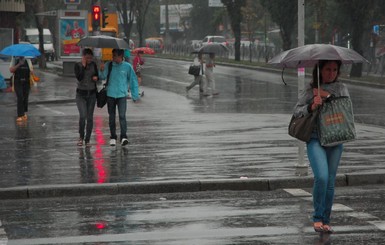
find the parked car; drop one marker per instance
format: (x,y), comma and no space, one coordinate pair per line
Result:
(194,44)
(31,35)
(214,39)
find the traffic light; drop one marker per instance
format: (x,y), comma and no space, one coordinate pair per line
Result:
(95,17)
(104,17)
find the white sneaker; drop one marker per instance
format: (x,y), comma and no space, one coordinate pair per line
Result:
(124,141)
(112,142)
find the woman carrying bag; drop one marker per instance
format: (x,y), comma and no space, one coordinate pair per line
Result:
(21,68)
(324,160)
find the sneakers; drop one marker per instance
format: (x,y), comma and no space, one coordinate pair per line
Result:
(80,142)
(124,142)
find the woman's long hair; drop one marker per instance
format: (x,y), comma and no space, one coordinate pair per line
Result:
(321,64)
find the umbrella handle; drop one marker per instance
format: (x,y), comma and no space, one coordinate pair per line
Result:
(318,82)
(283,80)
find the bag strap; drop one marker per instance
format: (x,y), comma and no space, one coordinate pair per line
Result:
(108,73)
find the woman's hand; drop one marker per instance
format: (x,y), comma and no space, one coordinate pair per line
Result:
(95,78)
(317,101)
(84,61)
(323,93)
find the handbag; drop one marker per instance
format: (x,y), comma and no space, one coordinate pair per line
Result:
(336,122)
(302,127)
(194,70)
(35,78)
(101,96)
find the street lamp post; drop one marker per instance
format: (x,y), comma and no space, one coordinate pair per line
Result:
(301,75)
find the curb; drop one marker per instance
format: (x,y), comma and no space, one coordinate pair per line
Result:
(156,187)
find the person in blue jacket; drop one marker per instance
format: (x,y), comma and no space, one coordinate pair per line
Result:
(122,77)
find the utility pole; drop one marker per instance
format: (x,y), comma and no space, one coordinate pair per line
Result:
(301,75)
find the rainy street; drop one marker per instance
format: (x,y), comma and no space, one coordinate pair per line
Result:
(204,218)
(241,133)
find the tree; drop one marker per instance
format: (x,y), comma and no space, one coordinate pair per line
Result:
(127,13)
(234,11)
(284,14)
(202,20)
(357,14)
(140,15)
(253,16)
(35,7)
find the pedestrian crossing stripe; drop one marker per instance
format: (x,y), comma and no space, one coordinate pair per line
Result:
(337,207)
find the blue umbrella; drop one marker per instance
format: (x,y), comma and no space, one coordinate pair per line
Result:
(21,49)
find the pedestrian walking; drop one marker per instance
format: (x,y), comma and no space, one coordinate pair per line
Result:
(198,79)
(138,62)
(210,80)
(86,72)
(121,78)
(21,68)
(323,160)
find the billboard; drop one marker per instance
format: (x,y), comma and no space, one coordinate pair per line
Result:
(72,27)
(178,17)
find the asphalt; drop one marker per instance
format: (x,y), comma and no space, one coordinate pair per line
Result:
(38,161)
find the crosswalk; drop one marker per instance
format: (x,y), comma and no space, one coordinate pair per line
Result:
(337,207)
(3,235)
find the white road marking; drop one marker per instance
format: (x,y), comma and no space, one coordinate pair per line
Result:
(337,207)
(51,110)
(3,235)
(298,192)
(380,224)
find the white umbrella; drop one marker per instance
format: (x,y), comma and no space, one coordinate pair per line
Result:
(102,41)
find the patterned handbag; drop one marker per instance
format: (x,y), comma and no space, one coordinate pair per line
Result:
(336,122)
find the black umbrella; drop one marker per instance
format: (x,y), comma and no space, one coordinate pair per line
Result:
(102,41)
(216,48)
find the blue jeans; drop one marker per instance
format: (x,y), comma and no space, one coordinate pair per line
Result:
(85,102)
(121,103)
(324,162)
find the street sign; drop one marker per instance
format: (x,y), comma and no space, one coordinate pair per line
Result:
(215,3)
(72,1)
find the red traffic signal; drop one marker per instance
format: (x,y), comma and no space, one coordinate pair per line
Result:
(95,17)
(96,12)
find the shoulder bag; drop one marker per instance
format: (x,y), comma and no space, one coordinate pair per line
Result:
(101,96)
(194,70)
(302,127)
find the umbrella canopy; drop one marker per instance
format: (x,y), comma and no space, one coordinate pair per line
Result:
(21,49)
(309,55)
(216,48)
(102,41)
(143,50)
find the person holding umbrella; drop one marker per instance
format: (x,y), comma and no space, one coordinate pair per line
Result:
(20,67)
(210,80)
(138,62)
(323,160)
(121,77)
(198,79)
(86,73)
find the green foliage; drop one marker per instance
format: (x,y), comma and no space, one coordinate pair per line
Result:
(284,13)
(203,20)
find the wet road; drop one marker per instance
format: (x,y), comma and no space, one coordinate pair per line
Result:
(242,132)
(255,91)
(205,218)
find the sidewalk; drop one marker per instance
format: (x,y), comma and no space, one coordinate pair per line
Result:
(172,148)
